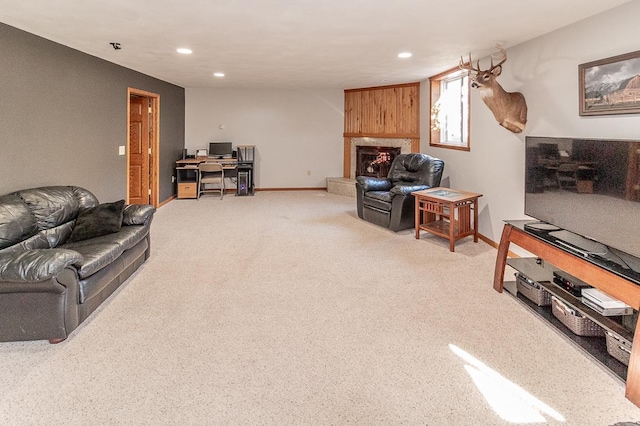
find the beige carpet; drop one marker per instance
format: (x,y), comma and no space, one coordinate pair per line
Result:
(285,308)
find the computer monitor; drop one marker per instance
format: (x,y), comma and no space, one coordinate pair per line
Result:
(220,149)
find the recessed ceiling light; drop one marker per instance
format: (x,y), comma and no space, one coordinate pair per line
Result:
(405,55)
(185,51)
(218,74)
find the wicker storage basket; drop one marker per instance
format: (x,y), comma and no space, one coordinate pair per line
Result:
(618,347)
(580,325)
(532,291)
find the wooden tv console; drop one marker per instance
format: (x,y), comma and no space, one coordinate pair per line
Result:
(580,267)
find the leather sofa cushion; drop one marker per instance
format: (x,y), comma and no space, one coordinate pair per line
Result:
(36,265)
(55,205)
(137,214)
(51,209)
(129,236)
(16,221)
(378,199)
(95,285)
(51,206)
(96,256)
(58,235)
(100,251)
(38,241)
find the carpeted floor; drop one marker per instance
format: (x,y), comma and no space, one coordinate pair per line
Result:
(285,308)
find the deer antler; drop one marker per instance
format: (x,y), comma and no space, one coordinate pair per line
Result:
(502,61)
(469,65)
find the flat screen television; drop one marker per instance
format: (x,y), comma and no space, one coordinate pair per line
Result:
(220,149)
(586,193)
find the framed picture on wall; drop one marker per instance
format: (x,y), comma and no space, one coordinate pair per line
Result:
(610,86)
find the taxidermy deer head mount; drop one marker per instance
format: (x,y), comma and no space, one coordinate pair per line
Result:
(509,108)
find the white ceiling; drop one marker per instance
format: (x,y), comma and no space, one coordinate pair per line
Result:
(293,43)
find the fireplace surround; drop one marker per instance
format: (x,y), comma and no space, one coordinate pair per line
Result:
(403,143)
(375,161)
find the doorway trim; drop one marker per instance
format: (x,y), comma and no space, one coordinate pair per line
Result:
(154,141)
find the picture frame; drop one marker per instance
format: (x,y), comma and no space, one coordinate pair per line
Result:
(610,86)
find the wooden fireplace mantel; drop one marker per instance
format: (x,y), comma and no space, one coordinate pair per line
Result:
(609,282)
(381,112)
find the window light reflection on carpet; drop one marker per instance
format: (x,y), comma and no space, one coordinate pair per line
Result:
(511,402)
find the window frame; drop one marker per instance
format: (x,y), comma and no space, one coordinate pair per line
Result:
(435,84)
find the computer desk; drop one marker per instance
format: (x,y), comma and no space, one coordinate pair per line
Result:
(227,163)
(187,173)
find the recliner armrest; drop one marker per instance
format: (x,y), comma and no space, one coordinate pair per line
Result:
(36,265)
(374,184)
(407,189)
(137,214)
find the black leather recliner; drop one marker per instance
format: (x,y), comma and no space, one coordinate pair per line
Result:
(388,201)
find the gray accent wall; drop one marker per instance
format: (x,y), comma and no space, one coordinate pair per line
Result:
(63,115)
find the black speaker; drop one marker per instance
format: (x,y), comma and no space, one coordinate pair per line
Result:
(234,154)
(184,153)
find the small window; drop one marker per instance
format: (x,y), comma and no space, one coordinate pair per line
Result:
(449,117)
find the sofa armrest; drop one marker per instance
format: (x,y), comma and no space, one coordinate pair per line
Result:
(137,214)
(374,184)
(407,189)
(36,265)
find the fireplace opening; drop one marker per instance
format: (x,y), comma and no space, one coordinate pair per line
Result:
(375,161)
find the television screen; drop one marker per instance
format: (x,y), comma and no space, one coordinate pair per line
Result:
(220,149)
(587,187)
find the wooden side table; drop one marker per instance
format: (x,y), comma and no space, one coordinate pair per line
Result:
(447,213)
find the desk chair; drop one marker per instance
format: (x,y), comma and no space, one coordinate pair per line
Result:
(567,175)
(211,173)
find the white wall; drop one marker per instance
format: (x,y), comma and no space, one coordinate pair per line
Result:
(295,131)
(545,70)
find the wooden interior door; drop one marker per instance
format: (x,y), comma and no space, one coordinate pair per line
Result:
(139,170)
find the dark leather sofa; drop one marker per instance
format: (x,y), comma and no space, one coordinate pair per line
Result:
(53,272)
(388,201)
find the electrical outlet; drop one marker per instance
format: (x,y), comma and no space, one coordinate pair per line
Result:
(121,150)
(173,179)
(308,172)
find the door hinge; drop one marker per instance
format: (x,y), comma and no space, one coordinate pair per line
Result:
(149,191)
(149,151)
(150,110)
